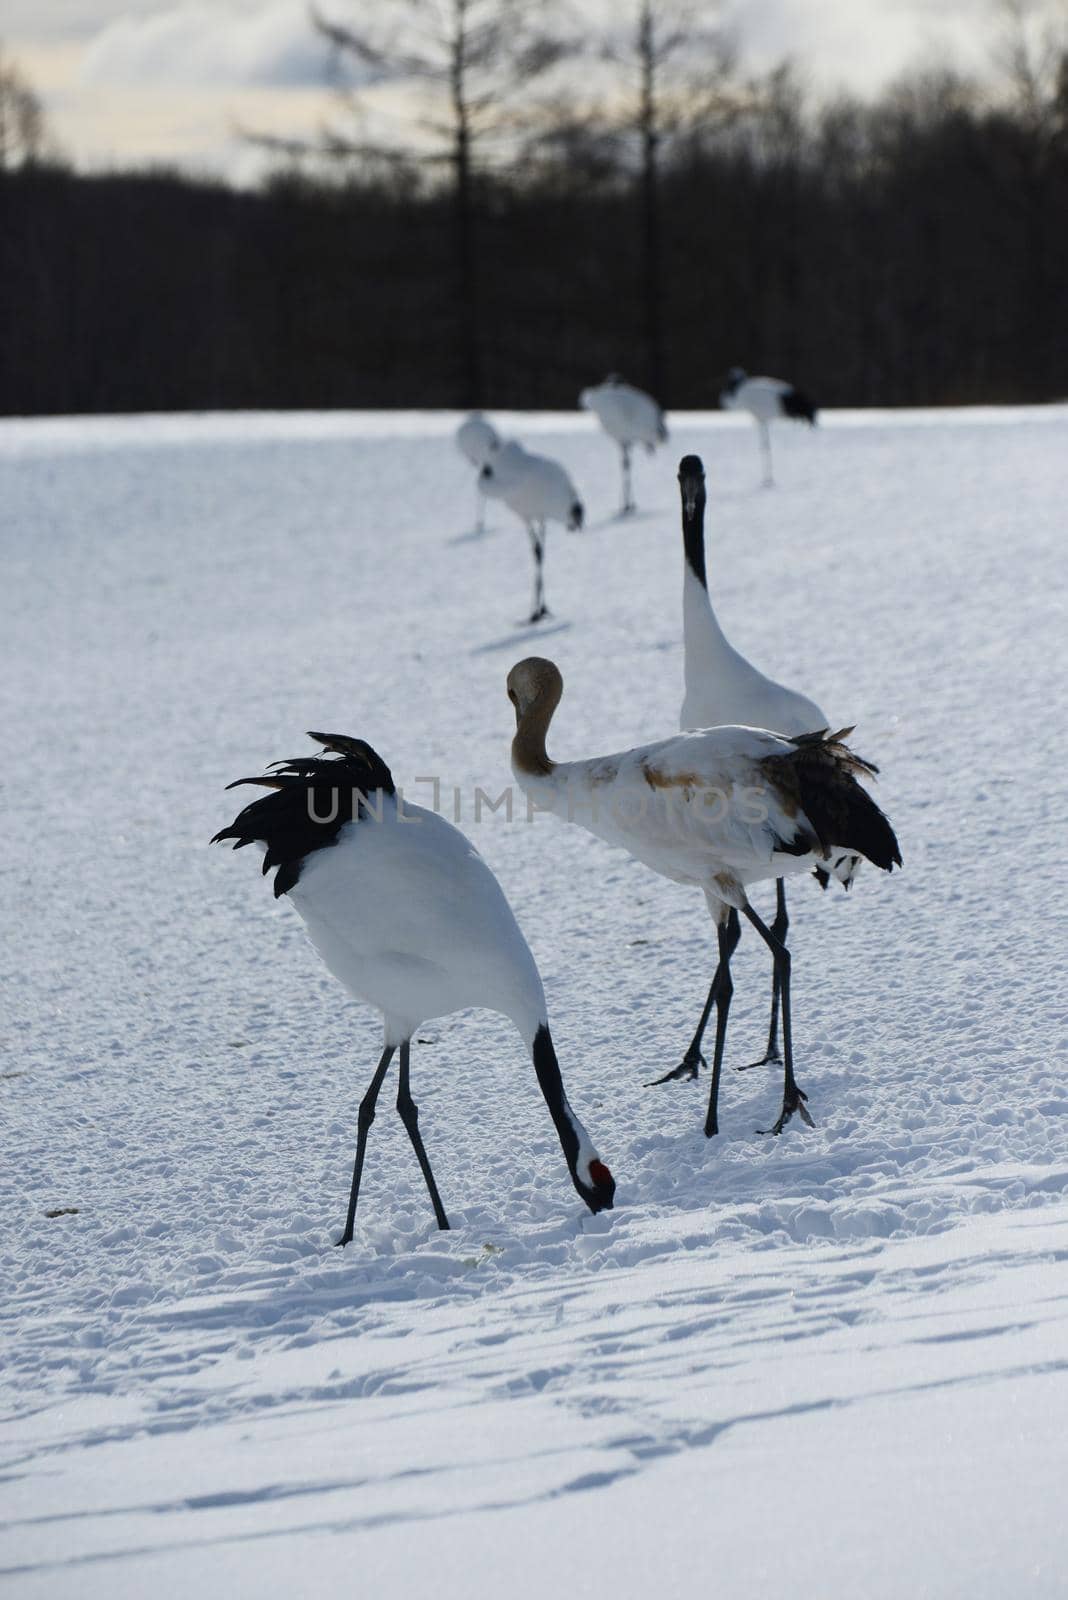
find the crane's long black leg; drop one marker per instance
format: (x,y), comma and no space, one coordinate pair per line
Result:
(729,934)
(628,493)
(409,1115)
(537,546)
(363,1122)
(778,928)
(693,1060)
(793,1098)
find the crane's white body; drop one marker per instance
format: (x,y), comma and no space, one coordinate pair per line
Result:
(630,417)
(761,397)
(722,686)
(696,808)
(407,915)
(535,487)
(477,439)
(767,400)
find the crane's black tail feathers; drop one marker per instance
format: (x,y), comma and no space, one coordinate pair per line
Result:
(796,403)
(312,799)
(820,777)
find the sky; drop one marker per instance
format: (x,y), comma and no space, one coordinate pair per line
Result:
(175,81)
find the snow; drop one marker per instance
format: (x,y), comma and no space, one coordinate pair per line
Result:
(831,1363)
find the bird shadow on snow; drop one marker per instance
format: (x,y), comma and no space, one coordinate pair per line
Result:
(620,519)
(473,536)
(626,1455)
(523,635)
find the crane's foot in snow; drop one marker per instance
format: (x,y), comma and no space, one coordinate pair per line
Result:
(793,1100)
(771,1054)
(688,1067)
(540,614)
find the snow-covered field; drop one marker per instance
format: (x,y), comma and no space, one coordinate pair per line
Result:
(832,1364)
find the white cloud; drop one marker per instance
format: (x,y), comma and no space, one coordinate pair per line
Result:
(863,44)
(859,43)
(136,80)
(202,45)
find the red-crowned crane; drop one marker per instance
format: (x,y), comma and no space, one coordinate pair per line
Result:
(767,400)
(723,687)
(720,808)
(408,917)
(538,490)
(476,440)
(629,416)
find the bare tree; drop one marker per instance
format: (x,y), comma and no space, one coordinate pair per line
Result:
(22,123)
(676,63)
(472,66)
(1032,54)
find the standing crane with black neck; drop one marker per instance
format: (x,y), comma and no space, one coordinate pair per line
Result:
(721,686)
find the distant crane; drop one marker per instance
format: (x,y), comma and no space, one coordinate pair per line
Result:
(630,417)
(476,440)
(767,400)
(538,490)
(407,915)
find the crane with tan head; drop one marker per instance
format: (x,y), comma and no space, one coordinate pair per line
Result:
(720,809)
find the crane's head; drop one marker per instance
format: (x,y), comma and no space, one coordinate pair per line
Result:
(728,395)
(534,681)
(691,484)
(597,1187)
(491,482)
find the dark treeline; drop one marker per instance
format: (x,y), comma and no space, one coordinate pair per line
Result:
(914,252)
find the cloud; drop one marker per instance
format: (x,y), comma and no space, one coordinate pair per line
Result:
(159,80)
(196,130)
(865,44)
(201,45)
(67,20)
(271,43)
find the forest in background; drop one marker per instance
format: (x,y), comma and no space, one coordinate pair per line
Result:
(913,251)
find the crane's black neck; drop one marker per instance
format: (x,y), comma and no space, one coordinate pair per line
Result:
(551,1084)
(693,537)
